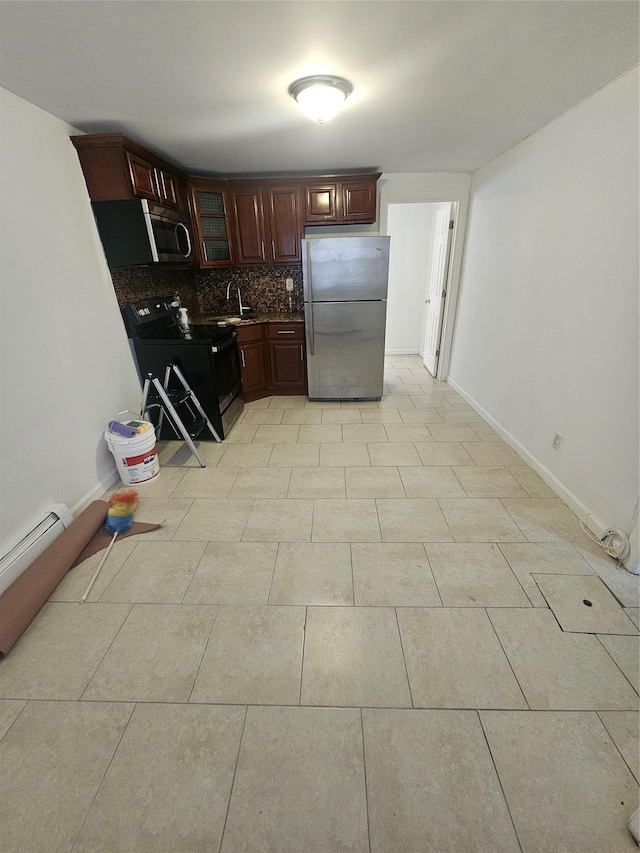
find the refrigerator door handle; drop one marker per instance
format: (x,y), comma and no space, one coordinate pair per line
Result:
(306,273)
(309,327)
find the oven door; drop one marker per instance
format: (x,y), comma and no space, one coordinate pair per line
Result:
(225,366)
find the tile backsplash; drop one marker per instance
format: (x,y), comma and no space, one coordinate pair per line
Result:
(204,291)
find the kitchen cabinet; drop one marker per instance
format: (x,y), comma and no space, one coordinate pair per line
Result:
(272,359)
(287,358)
(211,205)
(268,222)
(254,361)
(340,200)
(117,168)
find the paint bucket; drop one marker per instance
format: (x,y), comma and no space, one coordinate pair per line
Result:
(136,457)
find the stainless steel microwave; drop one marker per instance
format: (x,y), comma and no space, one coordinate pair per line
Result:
(137,231)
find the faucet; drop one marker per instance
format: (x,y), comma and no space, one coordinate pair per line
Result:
(241,308)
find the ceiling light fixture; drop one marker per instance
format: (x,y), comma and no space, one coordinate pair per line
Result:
(321,95)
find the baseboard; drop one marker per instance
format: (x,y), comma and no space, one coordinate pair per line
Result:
(400,352)
(96,492)
(595,524)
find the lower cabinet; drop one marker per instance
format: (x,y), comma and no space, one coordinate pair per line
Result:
(254,367)
(286,358)
(272,359)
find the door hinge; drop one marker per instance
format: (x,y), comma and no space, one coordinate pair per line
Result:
(444,293)
(437,353)
(450,224)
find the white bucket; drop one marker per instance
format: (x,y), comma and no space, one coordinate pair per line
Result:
(136,458)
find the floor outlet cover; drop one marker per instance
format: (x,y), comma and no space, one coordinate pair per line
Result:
(583,604)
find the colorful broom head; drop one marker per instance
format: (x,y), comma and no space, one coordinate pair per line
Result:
(122,507)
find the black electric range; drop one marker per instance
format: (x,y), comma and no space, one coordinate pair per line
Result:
(206,355)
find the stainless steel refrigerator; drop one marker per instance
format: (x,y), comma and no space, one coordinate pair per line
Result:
(345,309)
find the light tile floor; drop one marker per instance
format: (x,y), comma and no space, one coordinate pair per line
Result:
(340,640)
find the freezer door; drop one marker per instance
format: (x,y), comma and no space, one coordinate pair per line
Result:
(345,268)
(345,350)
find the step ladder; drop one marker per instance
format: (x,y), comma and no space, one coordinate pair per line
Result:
(181,408)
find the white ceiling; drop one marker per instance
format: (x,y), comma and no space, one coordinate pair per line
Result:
(439,85)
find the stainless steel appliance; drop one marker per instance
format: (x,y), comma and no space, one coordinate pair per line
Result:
(345,309)
(137,231)
(206,355)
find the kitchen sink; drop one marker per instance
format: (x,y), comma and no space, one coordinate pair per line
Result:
(226,320)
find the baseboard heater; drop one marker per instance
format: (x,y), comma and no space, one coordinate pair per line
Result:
(20,557)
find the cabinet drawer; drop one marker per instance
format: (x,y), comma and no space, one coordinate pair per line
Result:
(286,331)
(253,332)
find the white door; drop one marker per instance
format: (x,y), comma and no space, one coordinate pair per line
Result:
(434,301)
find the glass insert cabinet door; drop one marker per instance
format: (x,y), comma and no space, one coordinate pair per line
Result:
(211,222)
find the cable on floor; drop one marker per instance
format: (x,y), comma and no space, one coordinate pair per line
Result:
(613,542)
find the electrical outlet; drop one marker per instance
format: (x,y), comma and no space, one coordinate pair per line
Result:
(289,284)
(557,438)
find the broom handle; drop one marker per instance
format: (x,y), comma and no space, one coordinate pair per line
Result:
(97,571)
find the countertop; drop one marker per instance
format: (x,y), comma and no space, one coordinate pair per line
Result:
(219,319)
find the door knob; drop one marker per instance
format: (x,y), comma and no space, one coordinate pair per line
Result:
(427,301)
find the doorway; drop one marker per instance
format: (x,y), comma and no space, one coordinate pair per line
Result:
(419,272)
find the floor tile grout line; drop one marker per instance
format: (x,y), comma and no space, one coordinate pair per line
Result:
(433,574)
(233,779)
(495,767)
(353,584)
(304,645)
(187,704)
(611,656)
(366,785)
(404,659)
(104,776)
(273,571)
(109,647)
(511,567)
(14,721)
(520,687)
(204,652)
(195,572)
(602,722)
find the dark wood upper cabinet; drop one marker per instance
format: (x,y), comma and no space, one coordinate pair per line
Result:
(321,204)
(359,201)
(211,206)
(238,221)
(340,200)
(285,222)
(115,167)
(268,222)
(250,234)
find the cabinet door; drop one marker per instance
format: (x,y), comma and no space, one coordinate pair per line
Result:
(321,203)
(143,177)
(253,369)
(249,221)
(167,188)
(285,224)
(286,359)
(359,202)
(210,215)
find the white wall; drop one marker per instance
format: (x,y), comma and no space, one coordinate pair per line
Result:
(546,336)
(65,366)
(411,228)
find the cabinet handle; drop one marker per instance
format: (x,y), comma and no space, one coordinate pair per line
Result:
(273,249)
(301,353)
(292,332)
(262,248)
(242,357)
